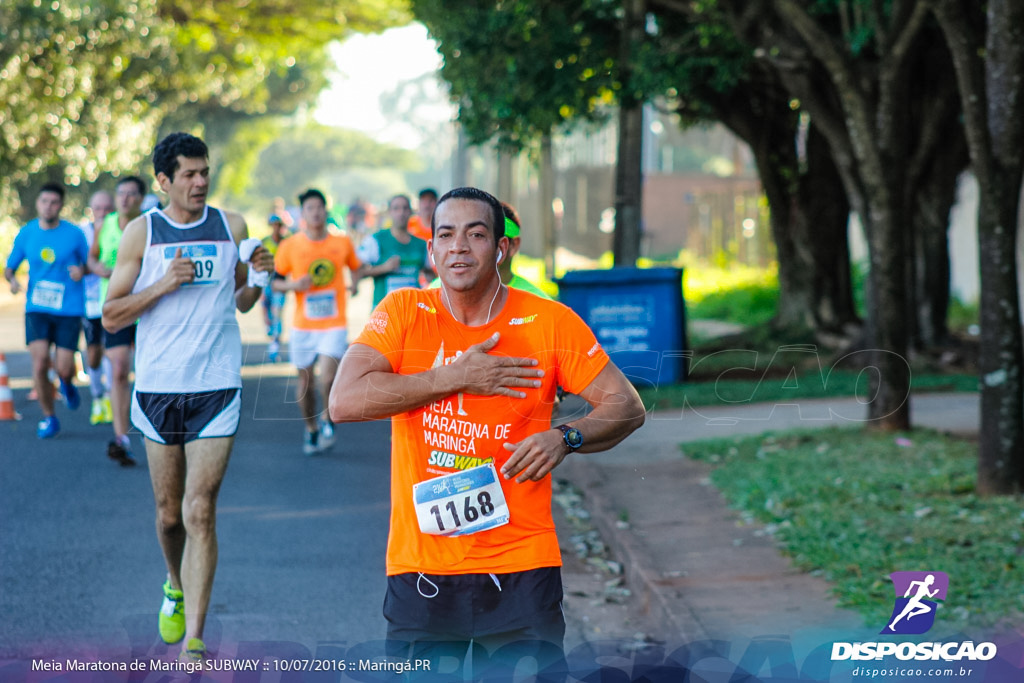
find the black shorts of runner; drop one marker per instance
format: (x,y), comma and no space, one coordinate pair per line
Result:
(503,617)
(176,419)
(93,329)
(61,330)
(123,337)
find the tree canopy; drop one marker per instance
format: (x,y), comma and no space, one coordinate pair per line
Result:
(87,85)
(305,155)
(520,69)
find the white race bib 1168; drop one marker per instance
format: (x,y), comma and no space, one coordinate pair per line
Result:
(461,503)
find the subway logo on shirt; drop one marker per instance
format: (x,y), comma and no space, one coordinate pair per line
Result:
(456,462)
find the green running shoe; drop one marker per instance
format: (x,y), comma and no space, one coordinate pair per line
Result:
(108,410)
(195,651)
(172,615)
(96,414)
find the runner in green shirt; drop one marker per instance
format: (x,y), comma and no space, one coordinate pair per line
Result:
(393,257)
(118,345)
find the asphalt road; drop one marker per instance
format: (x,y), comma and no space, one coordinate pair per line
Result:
(302,539)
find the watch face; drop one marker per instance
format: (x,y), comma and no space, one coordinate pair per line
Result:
(573,437)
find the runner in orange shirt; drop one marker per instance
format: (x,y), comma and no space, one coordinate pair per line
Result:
(419,225)
(311,264)
(468,372)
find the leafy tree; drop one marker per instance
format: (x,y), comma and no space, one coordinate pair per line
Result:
(77,81)
(708,74)
(854,67)
(521,70)
(691,55)
(298,157)
(87,85)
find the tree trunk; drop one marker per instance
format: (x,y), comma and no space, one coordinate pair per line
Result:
(547,196)
(506,182)
(823,231)
(890,408)
(933,201)
(460,164)
(938,158)
(1001,458)
(932,281)
(861,108)
(809,216)
(987,44)
(628,167)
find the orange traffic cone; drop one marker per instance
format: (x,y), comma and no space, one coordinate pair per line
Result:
(6,397)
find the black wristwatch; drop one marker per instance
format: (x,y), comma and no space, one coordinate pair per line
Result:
(572,437)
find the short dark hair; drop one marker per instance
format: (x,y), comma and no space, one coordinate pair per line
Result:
(167,151)
(427,191)
(476,195)
(310,193)
(400,196)
(56,188)
(139,183)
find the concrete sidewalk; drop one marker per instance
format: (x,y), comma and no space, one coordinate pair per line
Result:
(696,569)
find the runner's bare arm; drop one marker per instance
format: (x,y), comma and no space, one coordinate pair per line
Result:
(94,259)
(301,284)
(389,266)
(122,308)
(617,413)
(367,388)
(261,261)
(12,280)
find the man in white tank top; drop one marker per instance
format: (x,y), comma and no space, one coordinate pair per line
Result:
(179,274)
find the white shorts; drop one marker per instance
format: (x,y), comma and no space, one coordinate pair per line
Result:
(305,345)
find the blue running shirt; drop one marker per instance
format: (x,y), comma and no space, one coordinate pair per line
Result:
(49,254)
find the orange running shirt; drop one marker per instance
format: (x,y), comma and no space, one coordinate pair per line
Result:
(418,229)
(415,333)
(322,306)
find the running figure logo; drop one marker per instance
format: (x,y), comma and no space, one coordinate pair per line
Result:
(914,612)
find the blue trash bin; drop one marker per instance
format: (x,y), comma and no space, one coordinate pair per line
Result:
(637,315)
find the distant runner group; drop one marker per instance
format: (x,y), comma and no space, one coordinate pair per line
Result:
(468,366)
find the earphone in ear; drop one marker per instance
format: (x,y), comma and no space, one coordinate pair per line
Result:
(432,260)
(500,254)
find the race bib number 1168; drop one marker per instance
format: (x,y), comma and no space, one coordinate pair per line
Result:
(461,503)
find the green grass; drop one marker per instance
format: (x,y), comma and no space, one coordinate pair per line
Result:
(800,385)
(962,315)
(855,506)
(734,293)
(739,294)
(533,270)
(766,364)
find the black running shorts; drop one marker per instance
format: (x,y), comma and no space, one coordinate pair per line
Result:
(176,419)
(61,330)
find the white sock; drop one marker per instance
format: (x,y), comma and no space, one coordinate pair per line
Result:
(96,381)
(108,373)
